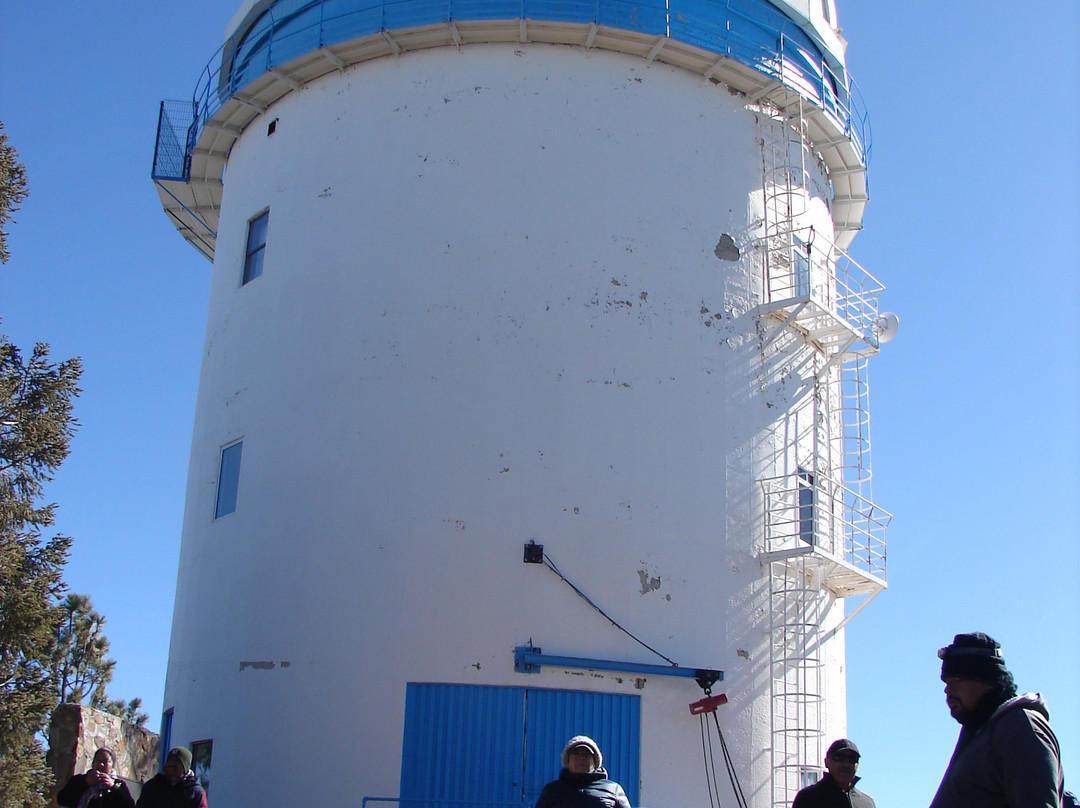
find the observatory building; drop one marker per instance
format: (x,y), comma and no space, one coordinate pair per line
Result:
(533,399)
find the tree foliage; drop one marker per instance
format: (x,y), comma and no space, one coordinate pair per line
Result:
(36,426)
(13,188)
(81,669)
(129,711)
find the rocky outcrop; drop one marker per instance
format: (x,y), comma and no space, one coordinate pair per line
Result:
(76,732)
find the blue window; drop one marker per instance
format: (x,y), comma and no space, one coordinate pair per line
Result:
(256,246)
(806,506)
(800,254)
(228,479)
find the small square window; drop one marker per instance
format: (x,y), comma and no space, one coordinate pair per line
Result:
(256,246)
(228,479)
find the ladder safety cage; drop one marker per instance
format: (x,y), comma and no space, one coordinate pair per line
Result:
(809,279)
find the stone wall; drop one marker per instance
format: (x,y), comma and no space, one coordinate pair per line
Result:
(76,732)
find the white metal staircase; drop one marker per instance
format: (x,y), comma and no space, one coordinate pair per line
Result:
(823,536)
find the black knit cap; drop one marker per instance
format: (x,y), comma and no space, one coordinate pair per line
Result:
(842,745)
(973,656)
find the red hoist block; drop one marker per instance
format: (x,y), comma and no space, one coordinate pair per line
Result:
(708,704)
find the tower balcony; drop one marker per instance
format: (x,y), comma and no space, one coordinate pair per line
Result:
(748,45)
(821,290)
(834,532)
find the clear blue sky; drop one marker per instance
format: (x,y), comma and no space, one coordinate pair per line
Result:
(973,227)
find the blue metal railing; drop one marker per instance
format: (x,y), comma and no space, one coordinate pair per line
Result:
(177,133)
(752,32)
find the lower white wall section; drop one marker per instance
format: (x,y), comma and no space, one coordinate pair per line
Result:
(492,310)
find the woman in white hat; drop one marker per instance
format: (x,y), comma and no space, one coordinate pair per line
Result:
(583,782)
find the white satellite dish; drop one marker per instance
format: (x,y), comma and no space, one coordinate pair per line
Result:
(885,326)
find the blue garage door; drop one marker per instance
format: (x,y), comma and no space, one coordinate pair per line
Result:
(481,747)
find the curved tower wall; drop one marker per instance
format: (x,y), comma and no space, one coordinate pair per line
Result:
(509,293)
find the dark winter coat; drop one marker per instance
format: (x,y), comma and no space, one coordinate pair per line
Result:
(826,793)
(160,793)
(592,790)
(1011,760)
(116,797)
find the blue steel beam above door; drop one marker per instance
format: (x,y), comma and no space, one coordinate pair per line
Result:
(530,659)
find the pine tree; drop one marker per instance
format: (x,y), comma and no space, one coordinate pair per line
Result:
(81,670)
(36,425)
(128,711)
(13,189)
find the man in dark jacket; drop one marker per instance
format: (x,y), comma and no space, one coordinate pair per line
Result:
(176,786)
(836,788)
(583,782)
(1007,756)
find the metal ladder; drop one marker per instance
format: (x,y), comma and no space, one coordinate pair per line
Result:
(819,523)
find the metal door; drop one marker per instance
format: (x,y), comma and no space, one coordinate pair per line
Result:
(468,746)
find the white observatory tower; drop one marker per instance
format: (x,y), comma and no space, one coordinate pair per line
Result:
(533,399)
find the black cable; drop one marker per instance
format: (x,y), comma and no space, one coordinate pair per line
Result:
(740,798)
(551,566)
(710,765)
(706,738)
(705,761)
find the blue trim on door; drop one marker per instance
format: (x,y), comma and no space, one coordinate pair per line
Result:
(166,737)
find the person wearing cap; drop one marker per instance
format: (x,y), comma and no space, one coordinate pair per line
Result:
(176,786)
(1007,755)
(836,788)
(98,788)
(583,782)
